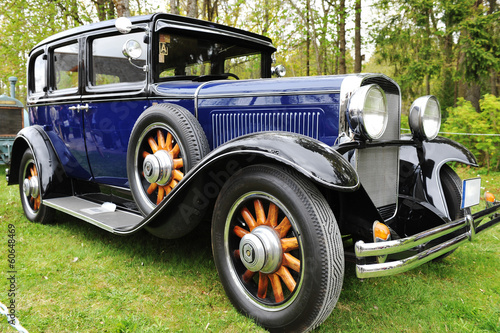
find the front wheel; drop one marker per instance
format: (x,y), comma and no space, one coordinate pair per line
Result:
(277,248)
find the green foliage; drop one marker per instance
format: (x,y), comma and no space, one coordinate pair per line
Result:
(465,119)
(438,46)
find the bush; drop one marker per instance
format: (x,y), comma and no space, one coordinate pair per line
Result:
(465,120)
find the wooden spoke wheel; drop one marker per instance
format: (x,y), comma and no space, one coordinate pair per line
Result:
(160,162)
(277,248)
(166,142)
(30,190)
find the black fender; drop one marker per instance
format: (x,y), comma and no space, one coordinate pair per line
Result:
(197,192)
(430,156)
(53,178)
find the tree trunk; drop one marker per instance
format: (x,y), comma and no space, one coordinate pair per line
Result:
(308,39)
(122,8)
(174,7)
(493,82)
(357,37)
(192,8)
(342,42)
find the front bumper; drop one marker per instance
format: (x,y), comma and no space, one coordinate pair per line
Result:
(381,249)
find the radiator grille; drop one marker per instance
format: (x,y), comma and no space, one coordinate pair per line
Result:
(227,125)
(378,168)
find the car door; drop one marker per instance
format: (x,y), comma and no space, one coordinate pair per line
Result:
(64,120)
(114,97)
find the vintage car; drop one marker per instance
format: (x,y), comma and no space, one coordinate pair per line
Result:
(163,122)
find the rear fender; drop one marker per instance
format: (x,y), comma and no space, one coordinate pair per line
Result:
(53,179)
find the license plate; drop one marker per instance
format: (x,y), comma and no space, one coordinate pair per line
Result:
(471,192)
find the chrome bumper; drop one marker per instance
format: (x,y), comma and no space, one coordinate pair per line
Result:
(469,222)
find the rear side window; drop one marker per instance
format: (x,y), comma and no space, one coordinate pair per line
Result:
(39,73)
(110,66)
(66,66)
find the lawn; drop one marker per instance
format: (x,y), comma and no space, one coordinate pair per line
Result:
(74,277)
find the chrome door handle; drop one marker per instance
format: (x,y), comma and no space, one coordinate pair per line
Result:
(80,107)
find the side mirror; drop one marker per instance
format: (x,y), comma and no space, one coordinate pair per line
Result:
(123,25)
(279,71)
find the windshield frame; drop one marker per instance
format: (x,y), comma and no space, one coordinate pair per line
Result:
(228,38)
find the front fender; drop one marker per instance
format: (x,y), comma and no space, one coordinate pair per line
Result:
(431,156)
(315,160)
(52,175)
(197,192)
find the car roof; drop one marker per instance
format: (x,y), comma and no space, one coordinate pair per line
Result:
(187,23)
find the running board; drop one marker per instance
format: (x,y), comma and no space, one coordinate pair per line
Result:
(94,213)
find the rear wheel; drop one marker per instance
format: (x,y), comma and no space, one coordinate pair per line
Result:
(30,190)
(277,248)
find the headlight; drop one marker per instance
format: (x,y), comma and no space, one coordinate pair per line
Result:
(425,117)
(367,112)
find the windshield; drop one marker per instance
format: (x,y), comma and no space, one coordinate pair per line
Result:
(182,57)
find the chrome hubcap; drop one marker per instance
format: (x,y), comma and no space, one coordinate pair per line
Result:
(261,250)
(158,167)
(30,187)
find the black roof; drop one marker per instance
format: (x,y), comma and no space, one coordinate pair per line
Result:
(187,22)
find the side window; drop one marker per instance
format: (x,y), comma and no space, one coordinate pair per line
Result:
(66,66)
(110,66)
(39,74)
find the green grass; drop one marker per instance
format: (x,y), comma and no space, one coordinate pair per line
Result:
(74,277)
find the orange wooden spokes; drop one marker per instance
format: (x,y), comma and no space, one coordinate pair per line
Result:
(161,139)
(247,216)
(177,175)
(283,227)
(178,163)
(161,193)
(169,141)
(289,244)
(263,283)
(163,143)
(272,215)
(175,151)
(277,289)
(291,262)
(247,276)
(259,212)
(153,145)
(152,188)
(282,274)
(239,231)
(287,278)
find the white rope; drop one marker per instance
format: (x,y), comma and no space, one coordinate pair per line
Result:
(15,322)
(452,133)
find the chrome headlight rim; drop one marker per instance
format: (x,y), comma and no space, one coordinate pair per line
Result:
(422,111)
(357,112)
